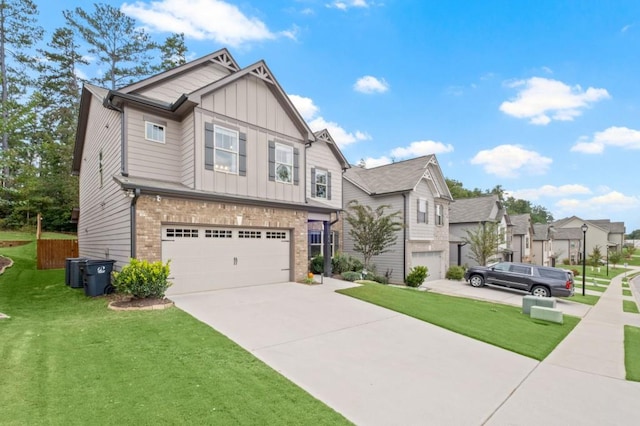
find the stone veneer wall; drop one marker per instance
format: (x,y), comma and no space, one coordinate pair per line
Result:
(151,214)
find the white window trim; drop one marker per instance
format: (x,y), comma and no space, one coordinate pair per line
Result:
(216,149)
(149,137)
(422,209)
(439,215)
(289,148)
(325,173)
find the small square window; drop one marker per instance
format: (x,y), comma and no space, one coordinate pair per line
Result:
(154,132)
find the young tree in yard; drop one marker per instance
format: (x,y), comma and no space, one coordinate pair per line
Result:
(373,231)
(483,241)
(615,257)
(117,42)
(595,258)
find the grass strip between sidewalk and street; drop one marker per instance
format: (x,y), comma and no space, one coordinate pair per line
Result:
(501,325)
(630,306)
(67,359)
(626,292)
(587,299)
(632,352)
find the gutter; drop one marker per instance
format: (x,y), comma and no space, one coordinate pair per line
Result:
(404,236)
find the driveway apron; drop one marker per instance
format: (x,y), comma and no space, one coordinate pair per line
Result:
(373,365)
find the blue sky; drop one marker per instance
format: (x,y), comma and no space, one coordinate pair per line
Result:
(540,97)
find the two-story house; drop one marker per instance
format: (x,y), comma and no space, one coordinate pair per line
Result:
(522,233)
(209,166)
(602,233)
(417,189)
(466,216)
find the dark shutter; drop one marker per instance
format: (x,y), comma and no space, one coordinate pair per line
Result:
(242,154)
(313,182)
(272,160)
(328,185)
(208,146)
(296,166)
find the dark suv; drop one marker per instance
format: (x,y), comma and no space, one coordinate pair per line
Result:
(538,280)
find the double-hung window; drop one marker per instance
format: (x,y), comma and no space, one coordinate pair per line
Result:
(284,163)
(422,210)
(439,218)
(321,184)
(226,150)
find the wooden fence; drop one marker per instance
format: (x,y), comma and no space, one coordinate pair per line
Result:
(52,254)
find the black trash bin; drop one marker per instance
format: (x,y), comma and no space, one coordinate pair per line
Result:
(73,271)
(97,277)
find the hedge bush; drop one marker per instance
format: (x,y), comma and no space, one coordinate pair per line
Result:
(142,279)
(317,264)
(351,276)
(416,276)
(455,273)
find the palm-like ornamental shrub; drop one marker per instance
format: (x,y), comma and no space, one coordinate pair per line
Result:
(142,279)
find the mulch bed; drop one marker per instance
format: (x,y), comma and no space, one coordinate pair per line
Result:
(127,303)
(4,262)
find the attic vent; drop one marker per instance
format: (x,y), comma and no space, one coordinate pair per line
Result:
(225,60)
(261,72)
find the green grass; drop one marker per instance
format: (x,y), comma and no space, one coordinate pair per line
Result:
(625,284)
(587,299)
(31,236)
(598,288)
(626,292)
(632,352)
(67,359)
(630,306)
(500,325)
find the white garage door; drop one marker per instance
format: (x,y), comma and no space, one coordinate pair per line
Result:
(208,258)
(430,259)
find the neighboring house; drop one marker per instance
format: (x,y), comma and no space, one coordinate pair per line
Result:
(418,190)
(209,166)
(522,233)
(468,214)
(603,233)
(542,245)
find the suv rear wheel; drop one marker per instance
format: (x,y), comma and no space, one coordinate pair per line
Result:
(476,281)
(540,291)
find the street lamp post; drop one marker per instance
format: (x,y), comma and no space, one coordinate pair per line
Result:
(584,228)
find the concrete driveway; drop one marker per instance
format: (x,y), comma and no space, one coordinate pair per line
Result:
(375,366)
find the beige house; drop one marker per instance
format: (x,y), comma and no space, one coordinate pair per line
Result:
(521,238)
(568,238)
(207,165)
(542,250)
(469,214)
(418,190)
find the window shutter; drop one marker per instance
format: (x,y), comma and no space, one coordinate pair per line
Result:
(208,146)
(313,182)
(242,154)
(296,166)
(328,185)
(272,160)
(418,216)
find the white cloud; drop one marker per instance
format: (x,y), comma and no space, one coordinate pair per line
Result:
(347,4)
(420,148)
(370,162)
(533,194)
(309,112)
(369,84)
(611,202)
(215,20)
(542,100)
(305,106)
(622,137)
(510,160)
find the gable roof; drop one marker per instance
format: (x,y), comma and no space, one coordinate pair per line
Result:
(399,177)
(540,231)
(521,223)
(486,208)
(325,136)
(259,70)
(221,57)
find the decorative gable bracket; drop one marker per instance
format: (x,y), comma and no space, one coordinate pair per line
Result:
(226,61)
(261,72)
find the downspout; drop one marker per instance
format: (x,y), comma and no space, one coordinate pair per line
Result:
(404,236)
(134,201)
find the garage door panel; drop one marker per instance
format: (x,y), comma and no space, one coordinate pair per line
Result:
(430,259)
(205,259)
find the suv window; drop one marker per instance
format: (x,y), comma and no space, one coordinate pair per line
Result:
(550,273)
(519,269)
(501,267)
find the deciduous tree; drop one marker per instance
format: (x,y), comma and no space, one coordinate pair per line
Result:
(483,241)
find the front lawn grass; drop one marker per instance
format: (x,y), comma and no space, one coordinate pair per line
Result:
(632,352)
(67,359)
(500,325)
(31,236)
(630,306)
(626,292)
(587,299)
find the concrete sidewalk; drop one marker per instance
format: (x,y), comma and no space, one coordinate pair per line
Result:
(378,367)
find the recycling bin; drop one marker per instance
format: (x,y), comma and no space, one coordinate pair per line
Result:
(73,271)
(97,277)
